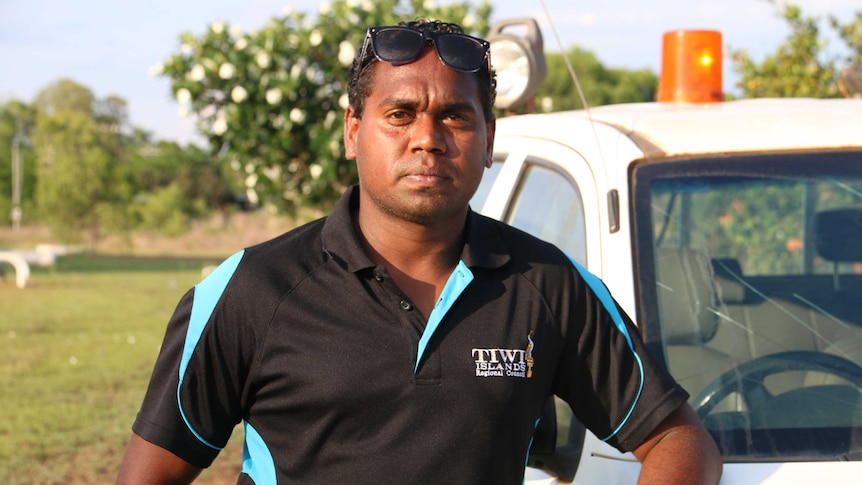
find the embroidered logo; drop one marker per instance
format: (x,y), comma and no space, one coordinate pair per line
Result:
(505,362)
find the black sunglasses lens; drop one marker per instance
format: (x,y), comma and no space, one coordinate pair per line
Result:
(460,52)
(397,45)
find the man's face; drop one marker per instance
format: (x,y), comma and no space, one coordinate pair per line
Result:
(422,143)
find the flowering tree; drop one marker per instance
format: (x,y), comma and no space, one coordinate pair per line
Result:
(800,66)
(272,100)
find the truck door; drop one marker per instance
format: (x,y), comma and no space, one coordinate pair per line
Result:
(548,190)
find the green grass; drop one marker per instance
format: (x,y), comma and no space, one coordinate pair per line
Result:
(76,350)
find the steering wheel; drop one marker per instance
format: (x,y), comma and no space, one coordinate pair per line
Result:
(748,379)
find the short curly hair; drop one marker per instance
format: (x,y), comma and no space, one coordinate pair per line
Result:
(361,78)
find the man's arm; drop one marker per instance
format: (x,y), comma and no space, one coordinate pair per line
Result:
(679,451)
(147,464)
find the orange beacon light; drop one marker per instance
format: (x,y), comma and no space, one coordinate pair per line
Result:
(691,67)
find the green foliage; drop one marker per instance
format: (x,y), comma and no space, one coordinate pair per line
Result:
(800,67)
(65,95)
(851,34)
(202,185)
(81,184)
(600,84)
(161,211)
(271,101)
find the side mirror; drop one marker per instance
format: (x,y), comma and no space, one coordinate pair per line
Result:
(558,441)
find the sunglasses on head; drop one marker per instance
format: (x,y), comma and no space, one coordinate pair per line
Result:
(401,45)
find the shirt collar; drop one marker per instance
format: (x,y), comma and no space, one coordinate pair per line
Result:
(483,248)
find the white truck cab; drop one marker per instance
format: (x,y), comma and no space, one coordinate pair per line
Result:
(732,233)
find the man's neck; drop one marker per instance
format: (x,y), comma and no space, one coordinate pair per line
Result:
(419,257)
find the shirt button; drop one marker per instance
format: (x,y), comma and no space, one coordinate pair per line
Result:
(406,306)
(378,277)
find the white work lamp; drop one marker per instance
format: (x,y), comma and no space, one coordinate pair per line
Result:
(518,60)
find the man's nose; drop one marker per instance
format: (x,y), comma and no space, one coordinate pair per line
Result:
(428,135)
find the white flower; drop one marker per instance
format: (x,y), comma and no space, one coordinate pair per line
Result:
(156,69)
(330,119)
(429,4)
(335,148)
(226,71)
(217,27)
(352,3)
(315,170)
(469,21)
(315,38)
(183,96)
(219,127)
(253,198)
(295,71)
(186,49)
(368,5)
(346,52)
(287,11)
(241,43)
(235,31)
(273,96)
(297,115)
(197,73)
(238,94)
(183,111)
(547,104)
(344,101)
(314,74)
(325,8)
(249,169)
(262,59)
(251,180)
(279,121)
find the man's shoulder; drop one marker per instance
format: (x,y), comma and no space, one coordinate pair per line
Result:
(295,252)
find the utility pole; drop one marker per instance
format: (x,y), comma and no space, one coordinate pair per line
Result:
(16,180)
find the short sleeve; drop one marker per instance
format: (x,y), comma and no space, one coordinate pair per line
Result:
(194,398)
(614,387)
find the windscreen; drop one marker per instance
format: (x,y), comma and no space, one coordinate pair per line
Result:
(750,289)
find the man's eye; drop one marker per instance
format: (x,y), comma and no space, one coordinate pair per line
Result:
(457,118)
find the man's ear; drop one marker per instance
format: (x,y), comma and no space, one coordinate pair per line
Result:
(351,127)
(490,131)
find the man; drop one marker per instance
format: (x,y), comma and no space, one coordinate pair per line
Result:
(366,347)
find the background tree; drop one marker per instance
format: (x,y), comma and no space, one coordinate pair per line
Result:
(175,185)
(64,95)
(801,66)
(601,85)
(271,101)
(82,184)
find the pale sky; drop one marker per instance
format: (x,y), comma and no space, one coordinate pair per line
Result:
(109,45)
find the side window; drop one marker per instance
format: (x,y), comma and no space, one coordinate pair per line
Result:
(548,205)
(488,179)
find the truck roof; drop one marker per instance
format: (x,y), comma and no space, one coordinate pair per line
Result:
(673,129)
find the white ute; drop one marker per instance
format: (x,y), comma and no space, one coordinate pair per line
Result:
(732,233)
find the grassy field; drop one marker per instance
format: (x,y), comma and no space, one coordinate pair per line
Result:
(76,350)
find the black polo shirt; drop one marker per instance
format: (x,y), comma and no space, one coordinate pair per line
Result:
(338,378)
